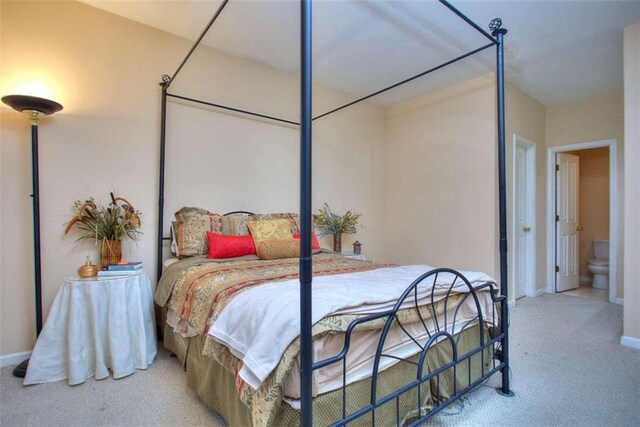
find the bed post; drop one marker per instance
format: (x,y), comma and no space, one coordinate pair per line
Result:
(306,357)
(499,33)
(163,131)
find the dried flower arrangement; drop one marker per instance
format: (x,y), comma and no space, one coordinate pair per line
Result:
(109,225)
(330,223)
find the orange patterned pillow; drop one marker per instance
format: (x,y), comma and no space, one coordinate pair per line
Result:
(277,249)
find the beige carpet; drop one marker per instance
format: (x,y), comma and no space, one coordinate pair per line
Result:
(568,368)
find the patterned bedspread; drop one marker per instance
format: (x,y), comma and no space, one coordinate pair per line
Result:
(197,290)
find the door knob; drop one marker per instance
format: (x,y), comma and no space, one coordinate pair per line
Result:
(579,228)
(526,229)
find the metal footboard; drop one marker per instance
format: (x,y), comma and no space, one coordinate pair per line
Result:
(441,328)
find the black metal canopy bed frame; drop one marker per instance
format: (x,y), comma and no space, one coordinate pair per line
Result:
(493,344)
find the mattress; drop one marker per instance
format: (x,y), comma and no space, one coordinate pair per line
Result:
(361,356)
(216,386)
(259,324)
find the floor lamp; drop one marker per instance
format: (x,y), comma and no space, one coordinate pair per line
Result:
(33,107)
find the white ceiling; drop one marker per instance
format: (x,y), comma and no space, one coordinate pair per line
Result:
(556,50)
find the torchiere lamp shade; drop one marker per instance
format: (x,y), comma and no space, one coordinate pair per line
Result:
(31,103)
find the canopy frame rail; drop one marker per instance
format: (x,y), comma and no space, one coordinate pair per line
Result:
(234,109)
(335,110)
(492,37)
(196,44)
(410,79)
(167,80)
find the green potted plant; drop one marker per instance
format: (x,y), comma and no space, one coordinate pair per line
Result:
(106,224)
(328,222)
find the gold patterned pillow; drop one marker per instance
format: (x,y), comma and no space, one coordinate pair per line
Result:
(291,218)
(191,228)
(275,229)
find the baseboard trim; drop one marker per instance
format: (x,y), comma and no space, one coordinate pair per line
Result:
(13,358)
(585,280)
(630,342)
(540,291)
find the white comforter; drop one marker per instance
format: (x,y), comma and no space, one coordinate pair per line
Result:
(258,325)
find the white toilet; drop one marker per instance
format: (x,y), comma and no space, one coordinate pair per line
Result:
(599,267)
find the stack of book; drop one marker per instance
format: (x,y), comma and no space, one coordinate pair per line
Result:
(121,269)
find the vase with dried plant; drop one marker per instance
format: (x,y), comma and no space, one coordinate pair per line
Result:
(108,225)
(328,222)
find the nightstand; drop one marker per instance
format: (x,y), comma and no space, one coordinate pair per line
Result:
(96,326)
(354,256)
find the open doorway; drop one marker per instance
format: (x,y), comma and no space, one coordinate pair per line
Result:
(582,219)
(524,231)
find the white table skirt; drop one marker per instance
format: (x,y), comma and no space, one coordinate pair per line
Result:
(96,325)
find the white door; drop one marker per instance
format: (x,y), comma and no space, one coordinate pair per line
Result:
(523,233)
(567,225)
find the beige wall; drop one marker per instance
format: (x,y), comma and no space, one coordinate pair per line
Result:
(526,118)
(422,172)
(105,71)
(2,293)
(595,118)
(231,163)
(593,202)
(588,119)
(631,328)
(441,178)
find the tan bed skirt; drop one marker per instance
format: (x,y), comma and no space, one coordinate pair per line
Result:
(216,386)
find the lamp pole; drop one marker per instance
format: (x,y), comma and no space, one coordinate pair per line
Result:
(34,108)
(35,196)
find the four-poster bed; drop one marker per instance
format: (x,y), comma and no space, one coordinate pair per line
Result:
(442,313)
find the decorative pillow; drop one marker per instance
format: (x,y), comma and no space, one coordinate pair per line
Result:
(276,249)
(190,230)
(221,246)
(174,242)
(314,240)
(276,229)
(236,224)
(291,218)
(189,212)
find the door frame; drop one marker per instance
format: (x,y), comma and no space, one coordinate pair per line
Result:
(530,160)
(612,144)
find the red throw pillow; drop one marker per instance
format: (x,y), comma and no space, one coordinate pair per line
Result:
(222,246)
(314,240)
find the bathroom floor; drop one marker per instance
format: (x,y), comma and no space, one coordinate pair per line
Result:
(586,291)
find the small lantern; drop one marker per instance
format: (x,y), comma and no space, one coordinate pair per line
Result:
(357,247)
